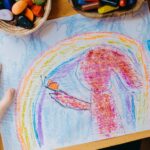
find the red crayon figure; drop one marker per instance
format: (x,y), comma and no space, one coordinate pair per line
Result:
(97,67)
(101,64)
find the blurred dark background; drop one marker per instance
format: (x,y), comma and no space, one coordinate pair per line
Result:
(137,145)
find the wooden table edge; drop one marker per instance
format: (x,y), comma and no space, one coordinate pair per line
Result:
(110,142)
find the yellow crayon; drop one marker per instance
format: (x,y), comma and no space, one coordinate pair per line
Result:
(106,8)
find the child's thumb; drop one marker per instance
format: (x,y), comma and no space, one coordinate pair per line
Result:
(6,101)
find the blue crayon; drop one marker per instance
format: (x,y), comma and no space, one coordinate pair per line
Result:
(81,2)
(7,4)
(110,2)
(131,2)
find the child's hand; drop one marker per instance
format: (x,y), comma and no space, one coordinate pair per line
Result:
(6,100)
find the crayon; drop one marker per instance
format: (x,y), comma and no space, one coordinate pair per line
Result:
(110,2)
(90,6)
(106,8)
(81,2)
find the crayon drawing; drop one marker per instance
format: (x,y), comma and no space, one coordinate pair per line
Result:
(78,80)
(101,73)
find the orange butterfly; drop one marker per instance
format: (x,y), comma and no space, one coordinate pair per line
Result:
(52,85)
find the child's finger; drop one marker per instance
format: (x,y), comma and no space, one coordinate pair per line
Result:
(0,68)
(6,101)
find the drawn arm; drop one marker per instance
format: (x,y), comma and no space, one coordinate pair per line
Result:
(69,101)
(129,73)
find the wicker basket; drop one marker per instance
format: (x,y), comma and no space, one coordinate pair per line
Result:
(15,30)
(110,14)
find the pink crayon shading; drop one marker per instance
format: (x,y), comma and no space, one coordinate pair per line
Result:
(98,66)
(69,101)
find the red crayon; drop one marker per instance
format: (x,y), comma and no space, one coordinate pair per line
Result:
(90,6)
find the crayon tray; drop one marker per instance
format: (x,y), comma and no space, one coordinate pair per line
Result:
(110,14)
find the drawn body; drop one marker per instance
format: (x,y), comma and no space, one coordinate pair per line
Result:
(98,66)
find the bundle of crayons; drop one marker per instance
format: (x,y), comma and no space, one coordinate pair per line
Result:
(104,6)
